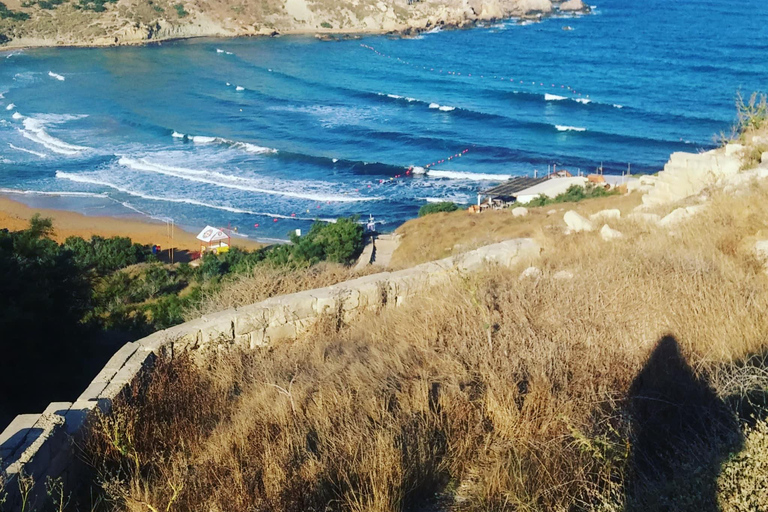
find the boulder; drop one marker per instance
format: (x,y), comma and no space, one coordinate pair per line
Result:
(608,234)
(551,212)
(573,5)
(679,215)
(612,214)
(531,273)
(563,274)
(520,211)
(576,222)
(764,158)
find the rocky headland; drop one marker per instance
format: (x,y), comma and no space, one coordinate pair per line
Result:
(30,23)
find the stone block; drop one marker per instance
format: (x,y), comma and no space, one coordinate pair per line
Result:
(116,362)
(156,343)
(58,408)
(279,332)
(218,327)
(78,414)
(15,434)
(126,375)
(576,222)
(326,300)
(251,318)
(94,389)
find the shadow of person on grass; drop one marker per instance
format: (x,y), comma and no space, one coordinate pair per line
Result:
(682,432)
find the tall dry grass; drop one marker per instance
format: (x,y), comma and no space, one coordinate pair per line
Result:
(490,393)
(266,281)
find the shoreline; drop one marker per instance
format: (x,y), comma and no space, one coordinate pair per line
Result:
(15,215)
(326,35)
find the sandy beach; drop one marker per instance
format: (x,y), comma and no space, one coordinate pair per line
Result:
(15,216)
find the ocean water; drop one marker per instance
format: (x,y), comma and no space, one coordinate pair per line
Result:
(267,134)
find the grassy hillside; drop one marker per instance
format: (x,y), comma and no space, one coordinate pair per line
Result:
(627,375)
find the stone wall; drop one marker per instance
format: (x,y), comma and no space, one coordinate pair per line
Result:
(43,445)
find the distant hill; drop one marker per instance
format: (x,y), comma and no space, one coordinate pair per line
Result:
(117,22)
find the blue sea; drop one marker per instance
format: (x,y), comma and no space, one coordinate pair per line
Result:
(267,134)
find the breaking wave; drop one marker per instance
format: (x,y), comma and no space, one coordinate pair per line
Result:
(41,155)
(56,76)
(459,175)
(92,181)
(35,130)
(232,182)
(564,128)
(203,139)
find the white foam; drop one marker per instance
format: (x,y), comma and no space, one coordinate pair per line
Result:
(446,108)
(418,170)
(616,105)
(10,106)
(204,139)
(228,53)
(2,95)
(334,160)
(78,178)
(410,100)
(554,97)
(41,155)
(434,105)
(459,175)
(34,130)
(50,193)
(229,181)
(564,128)
(239,88)
(228,84)
(394,96)
(17,116)
(56,76)
(219,51)
(584,101)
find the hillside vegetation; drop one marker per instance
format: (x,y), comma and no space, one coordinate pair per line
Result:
(109,22)
(72,303)
(624,375)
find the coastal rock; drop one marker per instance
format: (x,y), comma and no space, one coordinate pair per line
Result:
(612,214)
(531,273)
(573,5)
(520,211)
(534,6)
(679,215)
(608,234)
(576,222)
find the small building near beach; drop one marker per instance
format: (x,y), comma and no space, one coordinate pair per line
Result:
(214,240)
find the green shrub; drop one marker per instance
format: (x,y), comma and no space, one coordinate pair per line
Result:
(445,206)
(574,194)
(180,10)
(105,255)
(325,24)
(95,5)
(7,14)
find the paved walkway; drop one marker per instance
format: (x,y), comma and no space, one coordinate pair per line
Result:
(385,245)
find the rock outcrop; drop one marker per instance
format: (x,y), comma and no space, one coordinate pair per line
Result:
(573,5)
(131,22)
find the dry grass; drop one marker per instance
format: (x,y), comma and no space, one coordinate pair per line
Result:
(440,235)
(496,393)
(265,281)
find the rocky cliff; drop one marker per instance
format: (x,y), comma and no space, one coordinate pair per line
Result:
(117,22)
